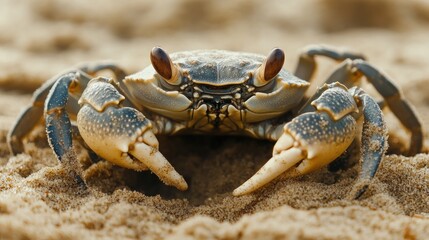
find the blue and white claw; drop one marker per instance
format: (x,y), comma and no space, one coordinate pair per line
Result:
(122,135)
(314,139)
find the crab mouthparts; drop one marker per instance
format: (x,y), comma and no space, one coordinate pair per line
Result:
(217,109)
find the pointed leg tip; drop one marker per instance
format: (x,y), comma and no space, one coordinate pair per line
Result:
(244,189)
(277,165)
(182,185)
(159,165)
(238,192)
(174,179)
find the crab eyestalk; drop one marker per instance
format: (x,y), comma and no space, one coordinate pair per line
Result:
(164,66)
(270,68)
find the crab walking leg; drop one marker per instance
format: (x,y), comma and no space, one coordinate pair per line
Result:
(311,140)
(397,104)
(94,69)
(307,62)
(58,125)
(31,116)
(374,141)
(28,119)
(393,98)
(121,135)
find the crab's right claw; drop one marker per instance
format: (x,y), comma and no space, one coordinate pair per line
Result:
(309,142)
(122,135)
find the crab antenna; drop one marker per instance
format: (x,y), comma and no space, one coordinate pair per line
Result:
(163,65)
(271,67)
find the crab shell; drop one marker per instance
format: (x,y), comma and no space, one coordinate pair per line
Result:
(215,91)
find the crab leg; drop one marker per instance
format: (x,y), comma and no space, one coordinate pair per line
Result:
(31,116)
(352,69)
(397,104)
(393,98)
(94,69)
(374,141)
(58,109)
(307,62)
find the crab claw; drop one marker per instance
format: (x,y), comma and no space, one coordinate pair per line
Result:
(122,135)
(156,162)
(279,163)
(309,142)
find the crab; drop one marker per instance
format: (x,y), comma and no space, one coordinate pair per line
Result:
(221,92)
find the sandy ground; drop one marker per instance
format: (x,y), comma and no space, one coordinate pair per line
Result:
(38,199)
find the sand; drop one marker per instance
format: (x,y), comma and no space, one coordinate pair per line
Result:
(39,199)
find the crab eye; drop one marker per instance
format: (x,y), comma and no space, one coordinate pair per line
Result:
(270,68)
(164,66)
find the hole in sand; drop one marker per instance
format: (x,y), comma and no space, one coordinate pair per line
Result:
(211,165)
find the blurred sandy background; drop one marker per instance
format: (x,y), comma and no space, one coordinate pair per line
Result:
(39,39)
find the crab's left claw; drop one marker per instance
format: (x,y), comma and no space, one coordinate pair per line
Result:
(306,145)
(279,163)
(149,155)
(310,141)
